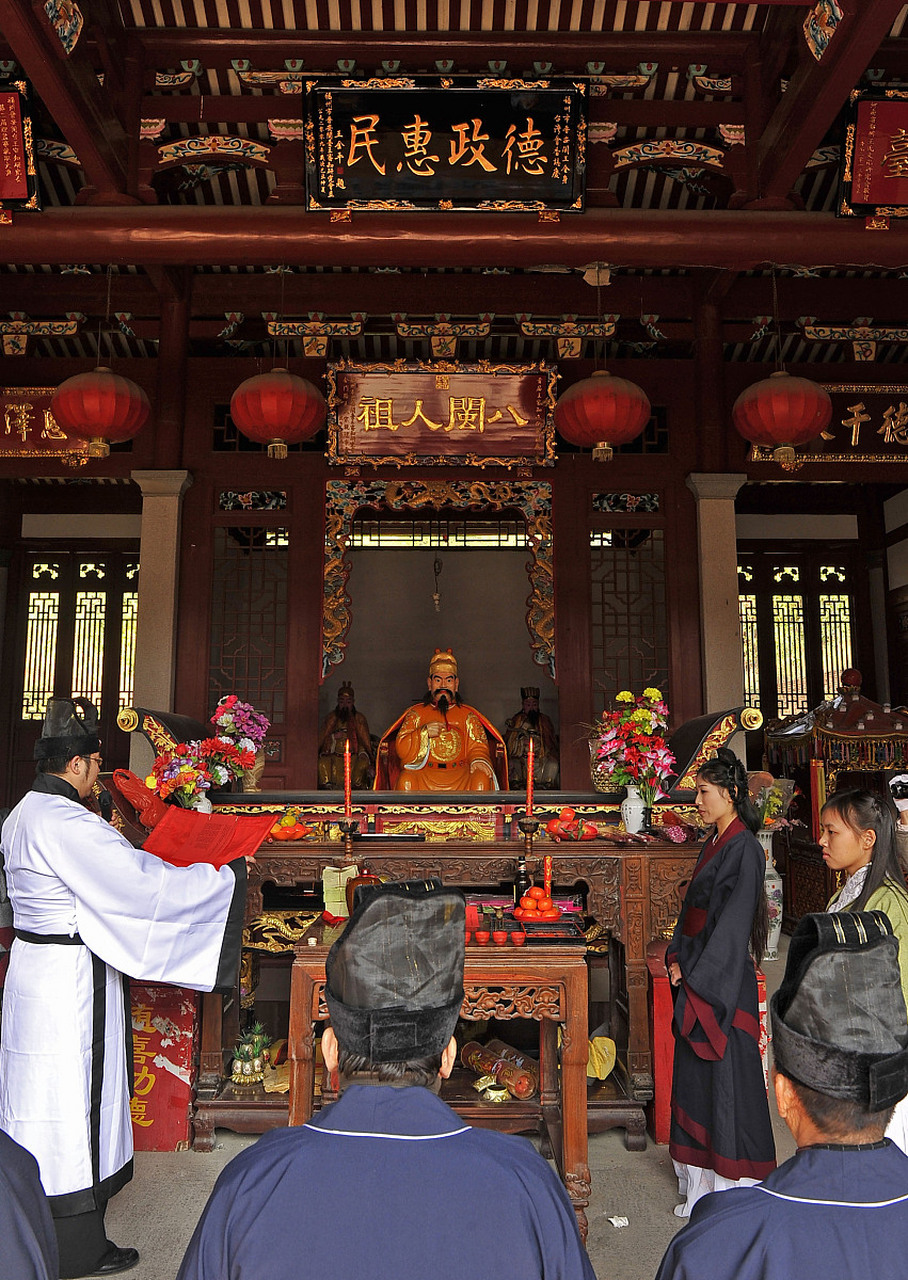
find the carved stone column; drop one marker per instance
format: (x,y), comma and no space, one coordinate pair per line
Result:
(720,629)
(159,558)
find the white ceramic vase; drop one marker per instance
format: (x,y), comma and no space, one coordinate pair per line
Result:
(633,809)
(772,885)
(202,804)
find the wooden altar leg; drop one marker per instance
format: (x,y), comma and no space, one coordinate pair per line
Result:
(211,1069)
(639,1053)
(211,1047)
(575,1168)
(301,1048)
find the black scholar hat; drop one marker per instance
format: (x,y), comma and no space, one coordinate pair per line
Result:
(70,729)
(839,1023)
(394,978)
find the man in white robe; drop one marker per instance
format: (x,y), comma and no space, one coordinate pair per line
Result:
(88,908)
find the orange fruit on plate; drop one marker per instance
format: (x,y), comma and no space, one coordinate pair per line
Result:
(535,891)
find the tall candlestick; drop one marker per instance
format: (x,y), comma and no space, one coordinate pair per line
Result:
(530,762)
(348,798)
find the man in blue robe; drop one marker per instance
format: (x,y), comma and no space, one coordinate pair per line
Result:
(839,1207)
(389,1181)
(26,1228)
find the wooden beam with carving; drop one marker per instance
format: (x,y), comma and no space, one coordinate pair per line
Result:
(815,95)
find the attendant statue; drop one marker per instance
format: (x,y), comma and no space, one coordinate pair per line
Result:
(440,743)
(531,723)
(344,723)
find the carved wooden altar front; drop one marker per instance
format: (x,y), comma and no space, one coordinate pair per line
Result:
(633,893)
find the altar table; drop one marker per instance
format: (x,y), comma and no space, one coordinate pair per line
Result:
(547,983)
(633,891)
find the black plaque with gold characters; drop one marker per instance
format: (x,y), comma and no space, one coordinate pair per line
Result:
(445,144)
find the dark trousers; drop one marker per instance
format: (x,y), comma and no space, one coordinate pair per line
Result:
(82,1242)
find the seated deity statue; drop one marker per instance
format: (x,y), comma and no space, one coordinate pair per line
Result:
(441,743)
(342,724)
(531,723)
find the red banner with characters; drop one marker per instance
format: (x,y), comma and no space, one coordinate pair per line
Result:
(18,174)
(164,1030)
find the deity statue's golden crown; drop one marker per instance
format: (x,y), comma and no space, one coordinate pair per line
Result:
(442,660)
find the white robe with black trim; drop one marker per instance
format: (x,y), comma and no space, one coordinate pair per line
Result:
(64,1069)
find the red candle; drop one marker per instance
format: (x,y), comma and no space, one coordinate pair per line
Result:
(530,760)
(547,875)
(348,799)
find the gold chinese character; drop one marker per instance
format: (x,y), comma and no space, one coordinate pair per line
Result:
(529,155)
(17,417)
(895,161)
(858,416)
(518,418)
(895,424)
(417,137)
(476,145)
(467,413)
(376,414)
(137,1111)
(144,1082)
(364,139)
(417,414)
(51,430)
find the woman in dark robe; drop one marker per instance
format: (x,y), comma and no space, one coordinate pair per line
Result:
(721,1133)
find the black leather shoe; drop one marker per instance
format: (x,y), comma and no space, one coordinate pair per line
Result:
(117,1260)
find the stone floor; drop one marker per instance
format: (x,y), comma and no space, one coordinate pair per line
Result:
(158,1211)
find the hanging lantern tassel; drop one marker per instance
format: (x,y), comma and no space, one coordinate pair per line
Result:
(100,407)
(602,411)
(278,409)
(782,412)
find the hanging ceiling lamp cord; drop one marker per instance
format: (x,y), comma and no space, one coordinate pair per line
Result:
(775,315)
(106,321)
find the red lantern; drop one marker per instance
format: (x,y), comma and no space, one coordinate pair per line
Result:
(602,411)
(100,407)
(278,409)
(781,412)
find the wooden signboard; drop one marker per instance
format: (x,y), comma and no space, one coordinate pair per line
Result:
(875,156)
(28,428)
(869,424)
(442,144)
(419,414)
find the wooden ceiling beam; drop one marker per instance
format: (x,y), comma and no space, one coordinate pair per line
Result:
(469,51)
(816,94)
(245,109)
(165,235)
(473,293)
(69,90)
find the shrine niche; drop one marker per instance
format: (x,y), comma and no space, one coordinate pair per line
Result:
(532,499)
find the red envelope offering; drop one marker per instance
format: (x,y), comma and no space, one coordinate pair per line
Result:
(183,836)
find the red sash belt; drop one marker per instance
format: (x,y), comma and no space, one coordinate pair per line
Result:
(694,920)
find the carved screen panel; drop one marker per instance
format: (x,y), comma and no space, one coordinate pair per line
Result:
(835,629)
(249,617)
(629,625)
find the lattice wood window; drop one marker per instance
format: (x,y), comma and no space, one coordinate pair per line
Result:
(630,630)
(80,631)
(797,612)
(249,617)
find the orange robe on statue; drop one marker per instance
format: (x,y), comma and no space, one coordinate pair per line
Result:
(457,760)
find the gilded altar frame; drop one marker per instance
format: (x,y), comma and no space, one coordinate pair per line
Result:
(532,498)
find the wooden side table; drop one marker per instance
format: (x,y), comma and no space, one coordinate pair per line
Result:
(547,983)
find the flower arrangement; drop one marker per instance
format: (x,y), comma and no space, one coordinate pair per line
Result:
(629,746)
(192,768)
(241,722)
(772,797)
